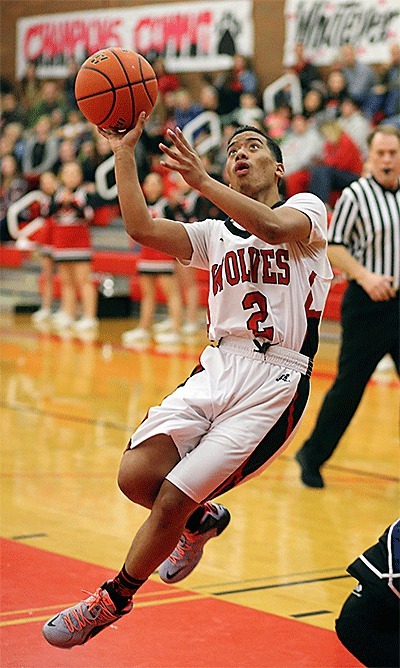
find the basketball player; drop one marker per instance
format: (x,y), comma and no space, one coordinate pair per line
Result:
(269,278)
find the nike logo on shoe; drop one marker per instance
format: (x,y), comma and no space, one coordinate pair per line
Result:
(50,622)
(169,576)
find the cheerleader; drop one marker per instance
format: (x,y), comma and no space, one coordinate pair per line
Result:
(155,267)
(48,184)
(72,250)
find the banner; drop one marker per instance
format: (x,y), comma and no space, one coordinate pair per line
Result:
(324,26)
(195,36)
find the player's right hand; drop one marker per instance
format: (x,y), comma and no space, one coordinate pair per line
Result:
(128,139)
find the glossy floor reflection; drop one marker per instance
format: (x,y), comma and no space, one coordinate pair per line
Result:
(68,407)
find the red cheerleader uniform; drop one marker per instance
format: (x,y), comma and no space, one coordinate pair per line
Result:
(71,235)
(151,261)
(43,236)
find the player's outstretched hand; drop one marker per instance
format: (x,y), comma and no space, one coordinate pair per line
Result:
(129,139)
(184,159)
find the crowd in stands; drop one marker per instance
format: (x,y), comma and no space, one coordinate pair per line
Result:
(324,146)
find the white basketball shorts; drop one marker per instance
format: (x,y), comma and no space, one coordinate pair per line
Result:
(232,417)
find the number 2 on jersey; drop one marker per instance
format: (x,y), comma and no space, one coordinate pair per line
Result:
(256,300)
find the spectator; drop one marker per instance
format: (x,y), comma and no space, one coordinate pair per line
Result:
(13,132)
(169,186)
(6,145)
(88,160)
(30,87)
(155,126)
(185,108)
(385,95)
(168,103)
(12,187)
(309,75)
(340,165)
(209,98)
(167,81)
(314,106)
(156,267)
(278,121)
(245,79)
(94,153)
(336,92)
(301,146)
(11,111)
(360,78)
(69,83)
(246,113)
(41,152)
(50,99)
(355,124)
(67,152)
(58,120)
(75,127)
(230,85)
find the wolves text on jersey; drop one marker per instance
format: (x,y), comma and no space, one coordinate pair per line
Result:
(254,265)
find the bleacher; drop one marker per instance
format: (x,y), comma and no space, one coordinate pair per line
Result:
(114,271)
(113,266)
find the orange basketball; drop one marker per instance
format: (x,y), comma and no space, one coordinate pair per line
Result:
(113,86)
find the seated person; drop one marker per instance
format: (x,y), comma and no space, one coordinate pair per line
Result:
(341,162)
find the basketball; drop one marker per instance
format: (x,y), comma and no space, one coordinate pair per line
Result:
(113,86)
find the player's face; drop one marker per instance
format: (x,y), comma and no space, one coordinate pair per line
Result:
(384,159)
(250,166)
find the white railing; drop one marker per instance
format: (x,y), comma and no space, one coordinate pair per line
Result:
(290,81)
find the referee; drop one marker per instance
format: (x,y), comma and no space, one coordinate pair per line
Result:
(364,242)
(368,624)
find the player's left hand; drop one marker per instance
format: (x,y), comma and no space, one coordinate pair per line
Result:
(184,159)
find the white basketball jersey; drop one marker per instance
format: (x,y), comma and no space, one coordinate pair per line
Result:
(274,293)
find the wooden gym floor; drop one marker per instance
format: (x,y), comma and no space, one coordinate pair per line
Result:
(267,591)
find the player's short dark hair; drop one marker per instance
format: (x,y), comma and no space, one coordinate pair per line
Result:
(271,143)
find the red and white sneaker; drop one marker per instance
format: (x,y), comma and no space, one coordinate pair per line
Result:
(189,550)
(76,625)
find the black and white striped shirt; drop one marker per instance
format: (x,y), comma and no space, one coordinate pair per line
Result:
(366,220)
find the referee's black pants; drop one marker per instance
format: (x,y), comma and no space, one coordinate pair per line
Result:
(370,330)
(368,626)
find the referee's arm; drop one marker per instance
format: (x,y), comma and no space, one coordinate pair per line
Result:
(378,288)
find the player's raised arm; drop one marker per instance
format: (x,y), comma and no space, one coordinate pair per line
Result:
(160,233)
(254,173)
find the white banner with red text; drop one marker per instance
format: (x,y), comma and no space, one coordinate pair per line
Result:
(195,36)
